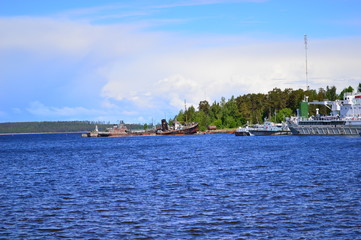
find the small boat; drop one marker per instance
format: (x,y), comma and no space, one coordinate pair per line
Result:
(270,129)
(177,128)
(242,131)
(266,129)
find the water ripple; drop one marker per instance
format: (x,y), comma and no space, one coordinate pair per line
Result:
(179,187)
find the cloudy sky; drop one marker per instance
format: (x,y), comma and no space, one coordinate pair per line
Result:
(138,60)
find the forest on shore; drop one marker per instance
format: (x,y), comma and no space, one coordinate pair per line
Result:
(253,108)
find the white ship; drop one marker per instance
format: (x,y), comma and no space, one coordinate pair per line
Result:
(345,118)
(270,129)
(266,129)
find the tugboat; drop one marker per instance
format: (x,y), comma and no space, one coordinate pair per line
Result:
(345,118)
(177,128)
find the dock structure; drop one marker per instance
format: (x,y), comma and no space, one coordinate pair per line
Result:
(326,130)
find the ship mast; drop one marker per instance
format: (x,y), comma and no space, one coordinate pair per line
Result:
(307,87)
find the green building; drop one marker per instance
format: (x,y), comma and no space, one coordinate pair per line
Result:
(304,109)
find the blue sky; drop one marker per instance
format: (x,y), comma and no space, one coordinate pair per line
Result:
(139,60)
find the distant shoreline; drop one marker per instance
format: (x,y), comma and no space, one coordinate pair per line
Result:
(55,127)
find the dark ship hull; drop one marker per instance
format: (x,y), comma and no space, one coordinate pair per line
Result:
(269,132)
(237,133)
(326,128)
(188,129)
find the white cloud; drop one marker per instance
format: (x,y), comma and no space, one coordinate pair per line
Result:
(196,74)
(138,71)
(176,89)
(49,36)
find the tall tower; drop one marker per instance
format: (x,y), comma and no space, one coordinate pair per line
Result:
(185,109)
(307,86)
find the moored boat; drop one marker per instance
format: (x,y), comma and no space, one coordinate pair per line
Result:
(266,129)
(242,131)
(270,129)
(177,128)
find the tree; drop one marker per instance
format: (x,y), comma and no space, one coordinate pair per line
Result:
(282,114)
(229,110)
(321,94)
(190,114)
(242,103)
(204,106)
(215,111)
(218,123)
(230,122)
(180,117)
(202,119)
(294,99)
(277,99)
(331,93)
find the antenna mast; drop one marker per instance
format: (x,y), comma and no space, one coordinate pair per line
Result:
(185,109)
(307,87)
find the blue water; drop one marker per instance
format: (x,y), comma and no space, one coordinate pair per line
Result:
(57,186)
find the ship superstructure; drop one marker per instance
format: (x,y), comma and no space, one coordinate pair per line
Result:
(344,119)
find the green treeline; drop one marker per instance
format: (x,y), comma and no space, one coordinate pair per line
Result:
(254,108)
(60,126)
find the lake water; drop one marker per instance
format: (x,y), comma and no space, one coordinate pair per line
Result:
(55,186)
